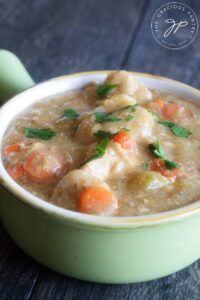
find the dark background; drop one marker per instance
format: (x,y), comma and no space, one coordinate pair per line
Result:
(55,37)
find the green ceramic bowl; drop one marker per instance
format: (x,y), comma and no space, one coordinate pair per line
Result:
(100,249)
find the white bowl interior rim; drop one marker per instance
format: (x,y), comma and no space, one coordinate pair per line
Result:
(58,86)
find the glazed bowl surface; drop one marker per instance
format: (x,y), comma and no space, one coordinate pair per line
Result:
(100,249)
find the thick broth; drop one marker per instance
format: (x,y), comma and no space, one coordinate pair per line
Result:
(139,187)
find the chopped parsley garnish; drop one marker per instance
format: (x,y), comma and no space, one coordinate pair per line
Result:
(133,107)
(104,89)
(102,147)
(129,118)
(107,134)
(71,114)
(125,129)
(101,150)
(171,164)
(40,133)
(146,165)
(159,152)
(103,134)
(155,114)
(176,129)
(102,117)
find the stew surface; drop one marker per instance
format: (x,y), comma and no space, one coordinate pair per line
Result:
(111,149)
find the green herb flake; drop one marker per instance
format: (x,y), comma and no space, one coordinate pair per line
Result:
(103,134)
(129,118)
(133,107)
(93,157)
(71,114)
(176,129)
(102,147)
(125,129)
(155,114)
(180,131)
(102,117)
(101,150)
(146,165)
(104,89)
(157,150)
(166,123)
(39,133)
(106,134)
(171,164)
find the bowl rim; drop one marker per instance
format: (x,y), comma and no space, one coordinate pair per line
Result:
(118,222)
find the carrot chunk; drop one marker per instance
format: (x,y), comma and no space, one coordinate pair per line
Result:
(168,110)
(42,165)
(125,140)
(157,104)
(172,174)
(97,200)
(171,110)
(158,165)
(12,148)
(16,171)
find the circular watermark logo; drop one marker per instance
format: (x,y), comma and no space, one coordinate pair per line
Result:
(174,25)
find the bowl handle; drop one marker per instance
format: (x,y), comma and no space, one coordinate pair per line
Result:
(14,78)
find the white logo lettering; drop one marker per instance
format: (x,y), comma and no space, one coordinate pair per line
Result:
(174,27)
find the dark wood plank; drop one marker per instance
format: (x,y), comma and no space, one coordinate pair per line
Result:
(59,37)
(146,55)
(183,285)
(18,272)
(54,38)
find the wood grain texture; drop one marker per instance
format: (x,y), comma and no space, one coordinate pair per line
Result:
(18,272)
(183,285)
(55,37)
(146,55)
(59,37)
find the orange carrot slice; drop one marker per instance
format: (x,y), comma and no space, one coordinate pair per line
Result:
(157,104)
(158,165)
(16,171)
(97,200)
(42,165)
(172,174)
(171,110)
(125,140)
(12,148)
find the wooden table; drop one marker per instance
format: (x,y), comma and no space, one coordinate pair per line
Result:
(54,37)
